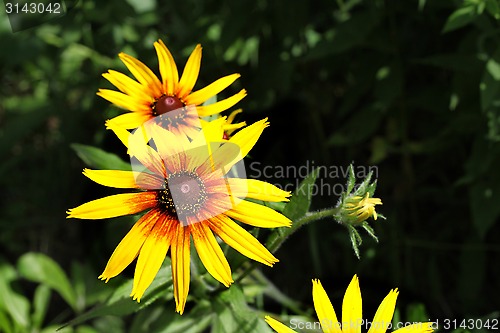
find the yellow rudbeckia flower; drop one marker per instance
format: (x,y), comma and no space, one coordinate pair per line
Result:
(148,96)
(352,320)
(186,187)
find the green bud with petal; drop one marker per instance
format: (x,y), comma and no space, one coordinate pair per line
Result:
(356,206)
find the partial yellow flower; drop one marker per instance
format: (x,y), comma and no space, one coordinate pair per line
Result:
(148,96)
(361,208)
(352,319)
(230,126)
(186,188)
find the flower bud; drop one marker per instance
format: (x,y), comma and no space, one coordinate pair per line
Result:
(355,206)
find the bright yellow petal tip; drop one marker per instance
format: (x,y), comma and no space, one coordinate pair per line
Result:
(383,317)
(277,326)
(352,308)
(324,309)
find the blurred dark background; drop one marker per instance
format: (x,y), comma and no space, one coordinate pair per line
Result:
(411,87)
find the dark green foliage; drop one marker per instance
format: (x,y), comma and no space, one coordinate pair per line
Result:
(412,87)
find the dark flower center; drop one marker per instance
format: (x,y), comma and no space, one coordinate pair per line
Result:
(184,194)
(166,104)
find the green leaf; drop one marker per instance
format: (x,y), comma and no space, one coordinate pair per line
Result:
(78,278)
(74,56)
(40,305)
(356,239)
(234,315)
(371,188)
(301,199)
(421,5)
(120,303)
(460,18)
(369,230)
(416,312)
(38,267)
(493,68)
(484,203)
(97,158)
(161,320)
(493,7)
(484,184)
(490,95)
(365,186)
(141,6)
(14,304)
(89,290)
(5,325)
(277,206)
(85,329)
(72,59)
(351,181)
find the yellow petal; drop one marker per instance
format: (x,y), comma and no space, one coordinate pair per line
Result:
(212,131)
(324,309)
(129,247)
(124,101)
(125,179)
(351,308)
(241,240)
(128,86)
(212,89)
(143,74)
(112,178)
(233,115)
(222,158)
(151,257)
(197,156)
(416,328)
(218,107)
(170,147)
(114,205)
(258,215)
(277,326)
(256,189)
(238,146)
(385,311)
(180,266)
(168,68)
(146,155)
(121,132)
(247,137)
(203,143)
(128,121)
(230,128)
(211,254)
(190,73)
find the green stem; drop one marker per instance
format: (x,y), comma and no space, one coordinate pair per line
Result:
(278,237)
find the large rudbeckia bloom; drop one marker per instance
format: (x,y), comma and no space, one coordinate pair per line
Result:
(189,193)
(148,96)
(352,320)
